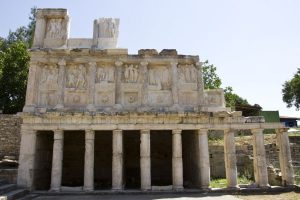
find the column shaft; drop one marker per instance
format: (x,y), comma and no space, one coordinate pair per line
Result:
(203,161)
(259,154)
(26,160)
(89,160)
(230,159)
(285,158)
(117,160)
(57,159)
(177,168)
(145,160)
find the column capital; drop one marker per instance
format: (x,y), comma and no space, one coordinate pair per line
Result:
(202,131)
(145,131)
(174,63)
(89,134)
(257,130)
(117,131)
(282,130)
(144,63)
(28,131)
(62,62)
(118,63)
(176,131)
(229,130)
(92,64)
(58,134)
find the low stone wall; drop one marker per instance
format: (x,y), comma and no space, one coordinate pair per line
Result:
(9,174)
(10,135)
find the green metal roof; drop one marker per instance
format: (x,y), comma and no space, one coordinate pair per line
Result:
(270,116)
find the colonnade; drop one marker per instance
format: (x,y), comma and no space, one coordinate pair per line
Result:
(203,166)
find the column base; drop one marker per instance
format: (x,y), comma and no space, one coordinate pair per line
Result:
(29,108)
(55,190)
(88,189)
(233,188)
(117,189)
(265,187)
(178,188)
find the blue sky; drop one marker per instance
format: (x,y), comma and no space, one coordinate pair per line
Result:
(255,44)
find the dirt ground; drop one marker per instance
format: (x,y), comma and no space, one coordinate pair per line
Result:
(282,196)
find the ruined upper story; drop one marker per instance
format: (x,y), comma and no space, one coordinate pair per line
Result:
(94,75)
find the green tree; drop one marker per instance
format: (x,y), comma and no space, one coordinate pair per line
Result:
(291,91)
(210,78)
(14,62)
(13,80)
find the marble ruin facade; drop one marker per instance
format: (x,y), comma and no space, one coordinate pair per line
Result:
(97,117)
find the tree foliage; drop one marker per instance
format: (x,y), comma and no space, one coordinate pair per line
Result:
(291,91)
(210,78)
(14,62)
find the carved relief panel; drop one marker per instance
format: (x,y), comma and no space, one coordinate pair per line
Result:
(48,85)
(131,85)
(159,85)
(55,29)
(56,32)
(187,87)
(105,85)
(76,85)
(187,73)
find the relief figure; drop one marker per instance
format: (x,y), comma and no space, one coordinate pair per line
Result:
(76,78)
(105,74)
(131,73)
(54,29)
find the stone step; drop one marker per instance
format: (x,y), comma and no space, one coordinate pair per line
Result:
(28,197)
(3,182)
(16,194)
(7,188)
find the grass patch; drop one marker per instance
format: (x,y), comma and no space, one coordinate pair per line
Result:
(222,182)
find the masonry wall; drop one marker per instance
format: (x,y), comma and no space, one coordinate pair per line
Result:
(9,135)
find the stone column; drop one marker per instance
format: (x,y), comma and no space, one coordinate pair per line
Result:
(285,158)
(89,161)
(91,85)
(117,160)
(145,84)
(118,95)
(30,102)
(203,161)
(230,159)
(26,159)
(175,83)
(200,83)
(145,160)
(177,168)
(57,159)
(259,160)
(61,84)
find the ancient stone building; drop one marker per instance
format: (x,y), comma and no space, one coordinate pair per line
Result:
(98,118)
